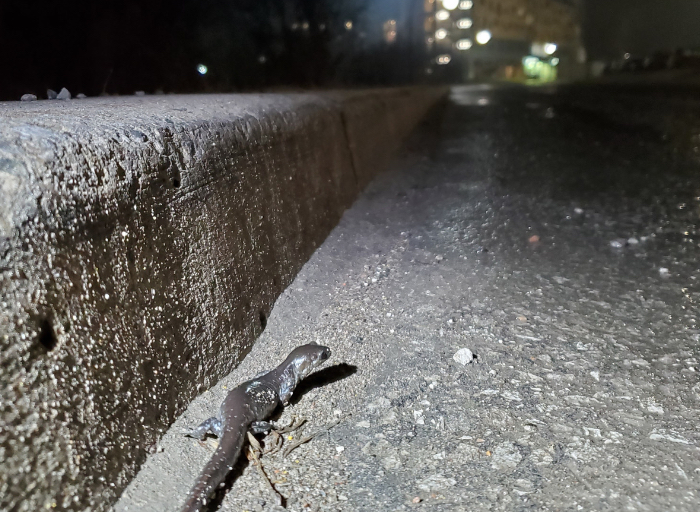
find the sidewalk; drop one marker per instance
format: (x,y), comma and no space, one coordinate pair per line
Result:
(522,237)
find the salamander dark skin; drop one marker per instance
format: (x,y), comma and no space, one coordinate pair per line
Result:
(246,408)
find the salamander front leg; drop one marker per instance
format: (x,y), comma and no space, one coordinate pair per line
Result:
(212,425)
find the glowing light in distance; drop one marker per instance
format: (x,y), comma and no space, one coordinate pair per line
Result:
(483,37)
(440,33)
(627,56)
(464,23)
(550,48)
(442,14)
(348,25)
(443,59)
(465,5)
(555,61)
(450,4)
(202,69)
(464,44)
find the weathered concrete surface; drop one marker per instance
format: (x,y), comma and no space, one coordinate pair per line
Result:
(143,242)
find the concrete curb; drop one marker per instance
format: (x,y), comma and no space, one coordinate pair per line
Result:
(143,242)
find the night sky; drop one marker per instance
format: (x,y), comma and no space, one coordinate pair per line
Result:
(120,46)
(640,27)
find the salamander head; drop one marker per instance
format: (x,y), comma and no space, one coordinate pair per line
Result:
(307,358)
(298,365)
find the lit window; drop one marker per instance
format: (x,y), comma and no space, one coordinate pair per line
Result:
(442,15)
(463,44)
(464,23)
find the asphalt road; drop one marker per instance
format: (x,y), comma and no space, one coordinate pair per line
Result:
(554,233)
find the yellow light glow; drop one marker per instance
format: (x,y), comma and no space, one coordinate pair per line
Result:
(483,37)
(442,14)
(440,33)
(463,44)
(465,5)
(464,23)
(348,25)
(444,59)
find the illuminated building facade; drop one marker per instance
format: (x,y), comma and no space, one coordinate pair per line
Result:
(503,38)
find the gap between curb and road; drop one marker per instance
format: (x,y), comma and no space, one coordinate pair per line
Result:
(143,242)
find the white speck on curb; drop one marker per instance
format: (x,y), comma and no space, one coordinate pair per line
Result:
(661,435)
(418,416)
(463,356)
(618,244)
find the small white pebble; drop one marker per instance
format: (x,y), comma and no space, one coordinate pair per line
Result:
(340,449)
(632,241)
(663,271)
(463,356)
(578,211)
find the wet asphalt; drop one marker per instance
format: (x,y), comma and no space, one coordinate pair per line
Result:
(551,231)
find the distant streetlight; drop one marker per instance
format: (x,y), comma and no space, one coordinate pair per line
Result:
(464,23)
(483,37)
(443,59)
(450,5)
(440,33)
(550,48)
(348,25)
(202,69)
(442,15)
(463,44)
(465,5)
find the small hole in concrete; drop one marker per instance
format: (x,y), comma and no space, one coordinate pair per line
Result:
(47,336)
(176,183)
(263,320)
